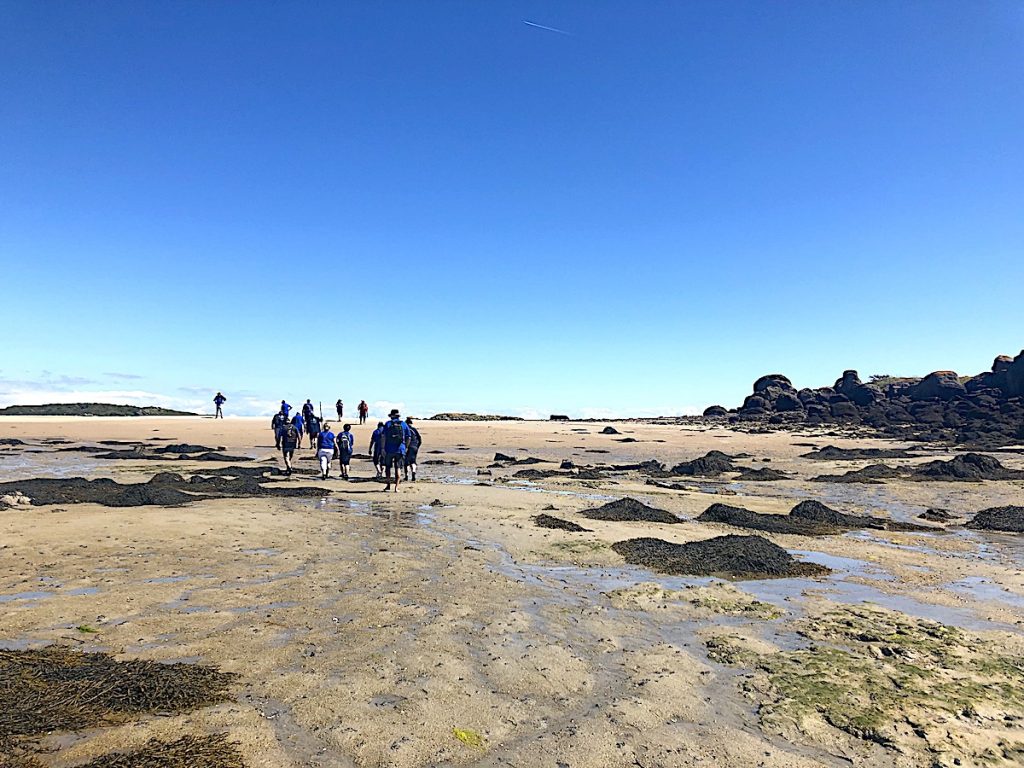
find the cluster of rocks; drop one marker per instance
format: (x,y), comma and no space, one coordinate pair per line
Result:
(983,410)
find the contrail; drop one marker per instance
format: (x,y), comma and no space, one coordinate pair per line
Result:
(549,29)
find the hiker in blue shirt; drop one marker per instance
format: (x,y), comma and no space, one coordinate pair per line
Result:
(325,448)
(346,444)
(299,424)
(396,440)
(219,401)
(285,408)
(377,449)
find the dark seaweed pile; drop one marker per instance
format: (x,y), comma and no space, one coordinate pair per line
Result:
(550,521)
(734,557)
(630,510)
(163,489)
(832,453)
(744,518)
(1010,519)
(58,689)
(712,464)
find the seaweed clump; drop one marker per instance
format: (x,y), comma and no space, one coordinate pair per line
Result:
(59,689)
(1010,519)
(630,510)
(733,557)
(550,521)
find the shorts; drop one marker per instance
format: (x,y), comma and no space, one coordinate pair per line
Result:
(345,458)
(410,455)
(378,458)
(396,460)
(288,449)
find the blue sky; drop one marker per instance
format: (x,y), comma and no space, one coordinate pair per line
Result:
(437,205)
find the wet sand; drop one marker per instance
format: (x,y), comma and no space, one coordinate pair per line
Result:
(367,627)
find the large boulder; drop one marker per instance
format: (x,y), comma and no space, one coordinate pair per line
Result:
(849,381)
(941,385)
(1014,372)
(772,380)
(788,402)
(715,412)
(755,403)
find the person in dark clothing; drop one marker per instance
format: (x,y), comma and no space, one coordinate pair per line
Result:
(340,408)
(289,442)
(307,409)
(412,448)
(364,409)
(313,430)
(377,448)
(346,445)
(219,401)
(279,420)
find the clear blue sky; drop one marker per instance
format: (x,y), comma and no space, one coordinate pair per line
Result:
(438,205)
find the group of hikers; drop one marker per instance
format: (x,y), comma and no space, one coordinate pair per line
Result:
(394,445)
(362,408)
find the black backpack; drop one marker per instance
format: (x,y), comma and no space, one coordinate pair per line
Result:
(394,433)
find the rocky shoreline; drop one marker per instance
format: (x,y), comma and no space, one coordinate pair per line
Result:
(984,411)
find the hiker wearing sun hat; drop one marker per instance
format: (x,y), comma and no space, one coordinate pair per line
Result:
(396,441)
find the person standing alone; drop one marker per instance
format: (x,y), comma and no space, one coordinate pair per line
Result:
(219,401)
(340,408)
(364,409)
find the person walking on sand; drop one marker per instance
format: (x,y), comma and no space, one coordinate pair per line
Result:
(377,449)
(300,424)
(307,409)
(219,401)
(313,429)
(340,408)
(396,441)
(276,423)
(325,446)
(346,444)
(290,437)
(412,449)
(364,409)
(285,408)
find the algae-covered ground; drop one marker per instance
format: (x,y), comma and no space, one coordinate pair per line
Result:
(870,678)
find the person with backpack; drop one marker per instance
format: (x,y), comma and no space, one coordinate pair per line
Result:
(299,425)
(396,441)
(340,408)
(412,449)
(364,409)
(290,437)
(346,445)
(377,449)
(307,409)
(313,430)
(219,401)
(326,444)
(276,423)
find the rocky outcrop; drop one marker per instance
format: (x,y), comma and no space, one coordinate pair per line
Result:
(986,410)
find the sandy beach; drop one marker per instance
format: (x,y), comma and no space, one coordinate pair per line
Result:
(440,626)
